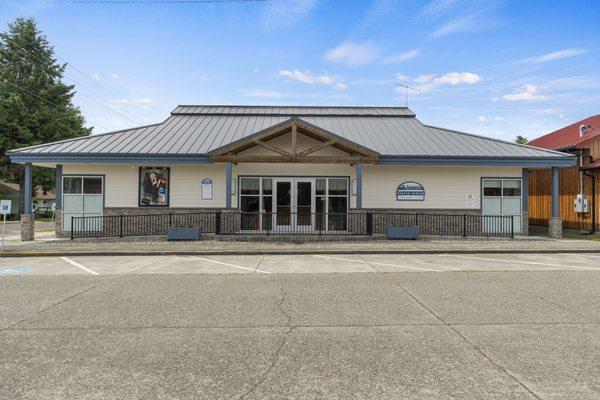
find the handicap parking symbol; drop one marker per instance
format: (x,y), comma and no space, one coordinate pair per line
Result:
(11,271)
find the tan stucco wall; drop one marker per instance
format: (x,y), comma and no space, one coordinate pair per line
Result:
(122,183)
(445,186)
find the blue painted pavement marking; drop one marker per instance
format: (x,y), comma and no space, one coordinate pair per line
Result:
(9,271)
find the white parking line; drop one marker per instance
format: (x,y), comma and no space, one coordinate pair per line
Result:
(519,262)
(378,263)
(76,264)
(230,265)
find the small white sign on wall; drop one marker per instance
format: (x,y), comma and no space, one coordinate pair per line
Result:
(207,189)
(470,200)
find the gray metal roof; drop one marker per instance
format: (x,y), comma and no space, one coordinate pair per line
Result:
(198,130)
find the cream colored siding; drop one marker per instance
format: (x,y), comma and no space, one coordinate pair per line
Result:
(285,169)
(122,183)
(445,187)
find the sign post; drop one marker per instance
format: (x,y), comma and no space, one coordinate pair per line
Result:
(4,210)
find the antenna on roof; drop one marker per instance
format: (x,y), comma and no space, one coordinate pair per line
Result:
(406,87)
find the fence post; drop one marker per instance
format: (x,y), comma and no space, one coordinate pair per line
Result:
(72,234)
(512,226)
(218,222)
(170,220)
(465,225)
(369,223)
(121,225)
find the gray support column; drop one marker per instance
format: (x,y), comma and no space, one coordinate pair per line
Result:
(27,218)
(28,189)
(228,178)
(555,194)
(359,171)
(58,186)
(525,203)
(555,222)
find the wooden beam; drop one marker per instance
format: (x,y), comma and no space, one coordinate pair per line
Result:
(274,149)
(294,139)
(297,159)
(318,147)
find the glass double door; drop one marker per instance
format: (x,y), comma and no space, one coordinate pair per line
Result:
(294,204)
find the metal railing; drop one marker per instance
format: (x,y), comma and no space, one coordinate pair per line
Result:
(358,223)
(139,225)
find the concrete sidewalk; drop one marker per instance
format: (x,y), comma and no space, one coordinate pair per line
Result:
(50,246)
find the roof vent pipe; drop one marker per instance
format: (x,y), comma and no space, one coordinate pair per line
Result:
(582,129)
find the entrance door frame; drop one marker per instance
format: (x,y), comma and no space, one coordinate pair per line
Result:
(291,178)
(293,226)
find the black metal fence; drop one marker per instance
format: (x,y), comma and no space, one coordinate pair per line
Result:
(242,223)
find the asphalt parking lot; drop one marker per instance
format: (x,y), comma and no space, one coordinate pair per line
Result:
(484,326)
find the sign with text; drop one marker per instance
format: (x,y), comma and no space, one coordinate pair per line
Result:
(5,206)
(410,191)
(207,186)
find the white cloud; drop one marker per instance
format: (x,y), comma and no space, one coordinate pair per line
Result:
(144,103)
(458,78)
(286,13)
(430,82)
(557,55)
(401,77)
(527,92)
(263,94)
(96,76)
(401,57)
(310,79)
(482,118)
(352,54)
(200,75)
(256,70)
(499,119)
(423,78)
(467,16)
(436,7)
(114,76)
(307,77)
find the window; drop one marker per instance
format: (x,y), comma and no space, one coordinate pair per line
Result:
(503,197)
(72,185)
(154,187)
(92,185)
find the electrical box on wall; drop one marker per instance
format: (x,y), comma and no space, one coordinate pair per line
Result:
(580,204)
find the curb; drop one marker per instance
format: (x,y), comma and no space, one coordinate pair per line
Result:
(290,252)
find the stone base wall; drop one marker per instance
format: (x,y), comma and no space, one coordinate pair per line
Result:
(524,223)
(555,227)
(27,227)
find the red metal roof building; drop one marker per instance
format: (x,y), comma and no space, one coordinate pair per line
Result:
(569,138)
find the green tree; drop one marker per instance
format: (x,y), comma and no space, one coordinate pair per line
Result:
(35,105)
(521,140)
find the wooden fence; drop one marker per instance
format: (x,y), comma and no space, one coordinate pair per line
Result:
(540,198)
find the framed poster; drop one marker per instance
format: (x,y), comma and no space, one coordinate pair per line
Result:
(154,187)
(207,185)
(410,191)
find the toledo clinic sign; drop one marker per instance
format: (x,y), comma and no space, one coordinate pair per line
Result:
(410,191)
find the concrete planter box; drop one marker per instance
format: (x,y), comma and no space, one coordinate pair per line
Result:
(403,232)
(176,233)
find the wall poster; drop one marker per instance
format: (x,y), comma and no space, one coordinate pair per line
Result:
(154,187)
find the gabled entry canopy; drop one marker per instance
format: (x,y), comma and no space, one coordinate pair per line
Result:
(294,141)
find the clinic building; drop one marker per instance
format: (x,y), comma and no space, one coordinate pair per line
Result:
(286,164)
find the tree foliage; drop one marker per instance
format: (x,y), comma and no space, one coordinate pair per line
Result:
(521,140)
(35,105)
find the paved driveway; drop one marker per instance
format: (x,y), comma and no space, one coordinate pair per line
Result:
(310,327)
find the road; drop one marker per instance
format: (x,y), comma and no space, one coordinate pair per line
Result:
(483,326)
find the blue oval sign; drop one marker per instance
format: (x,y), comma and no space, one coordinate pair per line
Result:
(410,191)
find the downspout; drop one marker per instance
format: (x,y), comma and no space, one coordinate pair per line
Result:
(593,203)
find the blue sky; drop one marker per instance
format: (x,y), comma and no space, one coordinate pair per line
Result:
(496,68)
